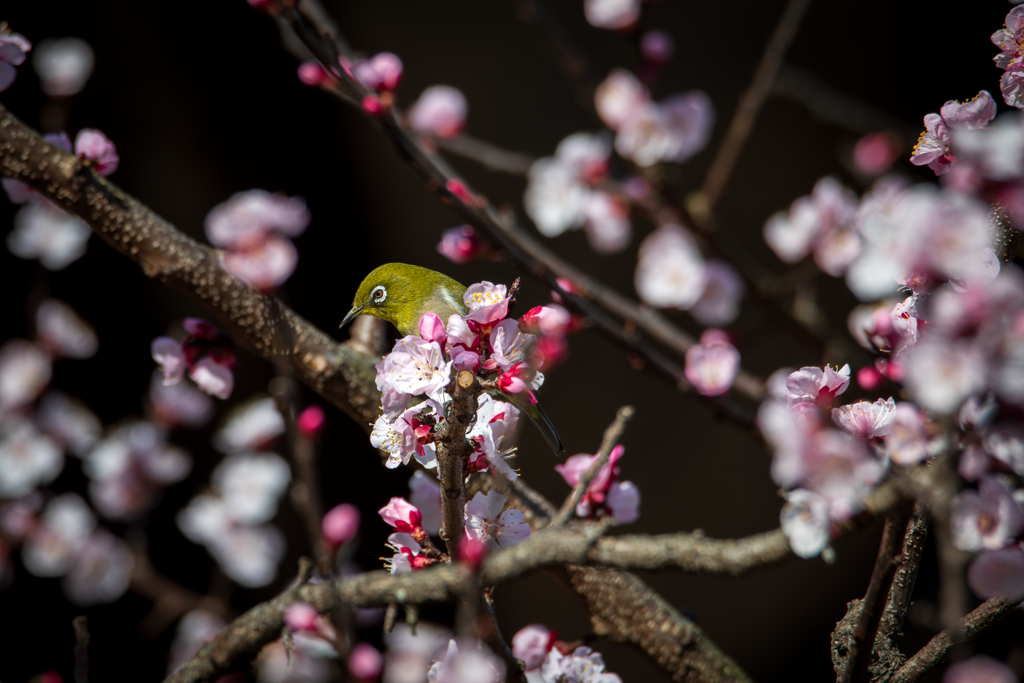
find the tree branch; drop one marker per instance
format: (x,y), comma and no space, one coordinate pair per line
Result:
(452,453)
(340,373)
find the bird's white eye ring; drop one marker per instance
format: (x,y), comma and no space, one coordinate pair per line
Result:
(379,294)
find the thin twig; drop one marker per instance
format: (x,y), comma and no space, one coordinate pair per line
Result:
(751,102)
(81,625)
(970,627)
(611,437)
(487,155)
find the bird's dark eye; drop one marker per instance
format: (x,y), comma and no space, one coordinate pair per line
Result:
(379,294)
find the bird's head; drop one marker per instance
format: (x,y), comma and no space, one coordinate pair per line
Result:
(393,292)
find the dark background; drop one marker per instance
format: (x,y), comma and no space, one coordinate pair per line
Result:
(203,101)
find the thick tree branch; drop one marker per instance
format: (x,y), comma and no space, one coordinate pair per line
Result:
(262,324)
(453,450)
(970,627)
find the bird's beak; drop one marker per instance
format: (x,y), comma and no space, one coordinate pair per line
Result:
(356,310)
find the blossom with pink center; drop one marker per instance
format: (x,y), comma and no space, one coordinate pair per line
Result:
(573,469)
(465,662)
(842,470)
(28,459)
(381,73)
(606,223)
(659,133)
(212,377)
(907,442)
(266,265)
(63,332)
(408,435)
(875,153)
(554,198)
(822,223)
(998,572)
(689,118)
(365,662)
(657,47)
(611,14)
(416,366)
(50,549)
(551,319)
(63,65)
(866,420)
(340,524)
(979,669)
(487,304)
(932,147)
(425,495)
(805,521)
(1010,41)
(509,345)
(532,644)
(712,365)
(462,244)
(440,111)
(560,196)
(719,303)
(619,98)
(408,554)
(402,515)
(671,270)
(941,373)
(94,146)
(816,385)
(582,666)
(301,616)
(485,521)
(251,484)
(495,421)
(789,436)
(13,47)
(987,518)
(48,233)
(25,370)
(205,353)
(69,422)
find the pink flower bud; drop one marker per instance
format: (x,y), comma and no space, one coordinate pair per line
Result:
(311,421)
(301,616)
(868,378)
(432,329)
(313,75)
(93,145)
(365,663)
(461,244)
(402,515)
(459,189)
(472,552)
(381,73)
(567,286)
(657,47)
(440,111)
(340,524)
(373,107)
(875,153)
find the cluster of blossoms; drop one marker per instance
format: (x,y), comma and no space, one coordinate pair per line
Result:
(933,148)
(672,273)
(232,520)
(1010,41)
(205,352)
(254,230)
(484,341)
(605,495)
(549,660)
(44,231)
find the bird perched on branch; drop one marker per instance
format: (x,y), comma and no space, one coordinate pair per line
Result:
(402,294)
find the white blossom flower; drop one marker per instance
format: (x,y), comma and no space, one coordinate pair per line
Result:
(101,570)
(62,331)
(64,526)
(25,370)
(804,520)
(45,232)
(486,522)
(27,459)
(250,485)
(671,270)
(249,427)
(63,65)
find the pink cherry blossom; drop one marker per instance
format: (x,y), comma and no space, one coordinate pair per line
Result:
(365,662)
(45,232)
(25,370)
(719,303)
(69,422)
(657,47)
(875,153)
(487,303)
(1010,41)
(462,244)
(611,14)
(1000,572)
(440,111)
(93,145)
(408,435)
(425,495)
(646,137)
(623,502)
(842,470)
(576,466)
(987,518)
(471,552)
(907,441)
(932,146)
(310,421)
(301,616)
(551,319)
(407,555)
(212,377)
(101,572)
(495,422)
(402,515)
(311,73)
(466,663)
(941,373)
(416,366)
(13,47)
(65,525)
(583,666)
(250,484)
(821,223)
(1007,446)
(485,521)
(689,118)
(63,65)
(619,98)
(340,524)
(171,359)
(817,386)
(509,344)
(265,265)
(979,669)
(712,365)
(431,329)
(866,420)
(381,73)
(250,427)
(671,270)
(606,223)
(805,521)
(531,644)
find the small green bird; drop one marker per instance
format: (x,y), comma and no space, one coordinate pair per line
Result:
(401,294)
